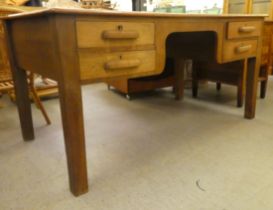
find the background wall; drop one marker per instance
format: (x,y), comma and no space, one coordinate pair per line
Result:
(200,4)
(190,4)
(124,5)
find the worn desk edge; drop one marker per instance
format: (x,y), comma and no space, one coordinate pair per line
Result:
(127,14)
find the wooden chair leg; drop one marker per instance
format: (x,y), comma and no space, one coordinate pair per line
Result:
(39,104)
(23,103)
(1,105)
(173,89)
(194,88)
(179,78)
(218,86)
(240,96)
(195,82)
(263,89)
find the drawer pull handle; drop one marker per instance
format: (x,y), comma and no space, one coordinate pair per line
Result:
(243,49)
(247,29)
(120,35)
(122,64)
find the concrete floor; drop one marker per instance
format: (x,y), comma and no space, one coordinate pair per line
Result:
(151,153)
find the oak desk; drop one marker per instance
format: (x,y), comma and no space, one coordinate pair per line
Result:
(76,47)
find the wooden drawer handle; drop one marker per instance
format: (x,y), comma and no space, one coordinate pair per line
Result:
(120,35)
(122,64)
(247,29)
(243,49)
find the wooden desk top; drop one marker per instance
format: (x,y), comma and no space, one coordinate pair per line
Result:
(128,14)
(152,30)
(19,8)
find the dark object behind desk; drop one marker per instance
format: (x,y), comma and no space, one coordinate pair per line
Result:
(34,3)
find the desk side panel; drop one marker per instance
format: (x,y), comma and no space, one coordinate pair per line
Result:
(33,45)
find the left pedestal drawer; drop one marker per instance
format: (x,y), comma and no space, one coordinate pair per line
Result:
(97,66)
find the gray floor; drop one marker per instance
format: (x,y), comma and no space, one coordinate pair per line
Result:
(151,153)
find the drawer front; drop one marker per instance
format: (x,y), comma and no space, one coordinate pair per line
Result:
(114,34)
(104,65)
(236,50)
(244,29)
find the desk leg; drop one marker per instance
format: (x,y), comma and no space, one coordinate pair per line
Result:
(179,65)
(73,128)
(23,103)
(21,91)
(251,88)
(70,95)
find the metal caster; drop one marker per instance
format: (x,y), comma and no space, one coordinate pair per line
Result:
(128,97)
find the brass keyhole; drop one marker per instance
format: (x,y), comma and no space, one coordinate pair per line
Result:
(120,57)
(120,27)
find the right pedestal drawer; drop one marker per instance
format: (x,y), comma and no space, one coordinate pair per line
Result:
(238,30)
(239,49)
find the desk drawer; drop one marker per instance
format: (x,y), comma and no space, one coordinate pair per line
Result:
(114,34)
(103,65)
(236,50)
(244,29)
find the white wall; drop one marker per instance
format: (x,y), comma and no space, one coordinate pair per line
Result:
(124,5)
(200,4)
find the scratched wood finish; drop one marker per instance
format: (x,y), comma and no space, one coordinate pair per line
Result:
(62,62)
